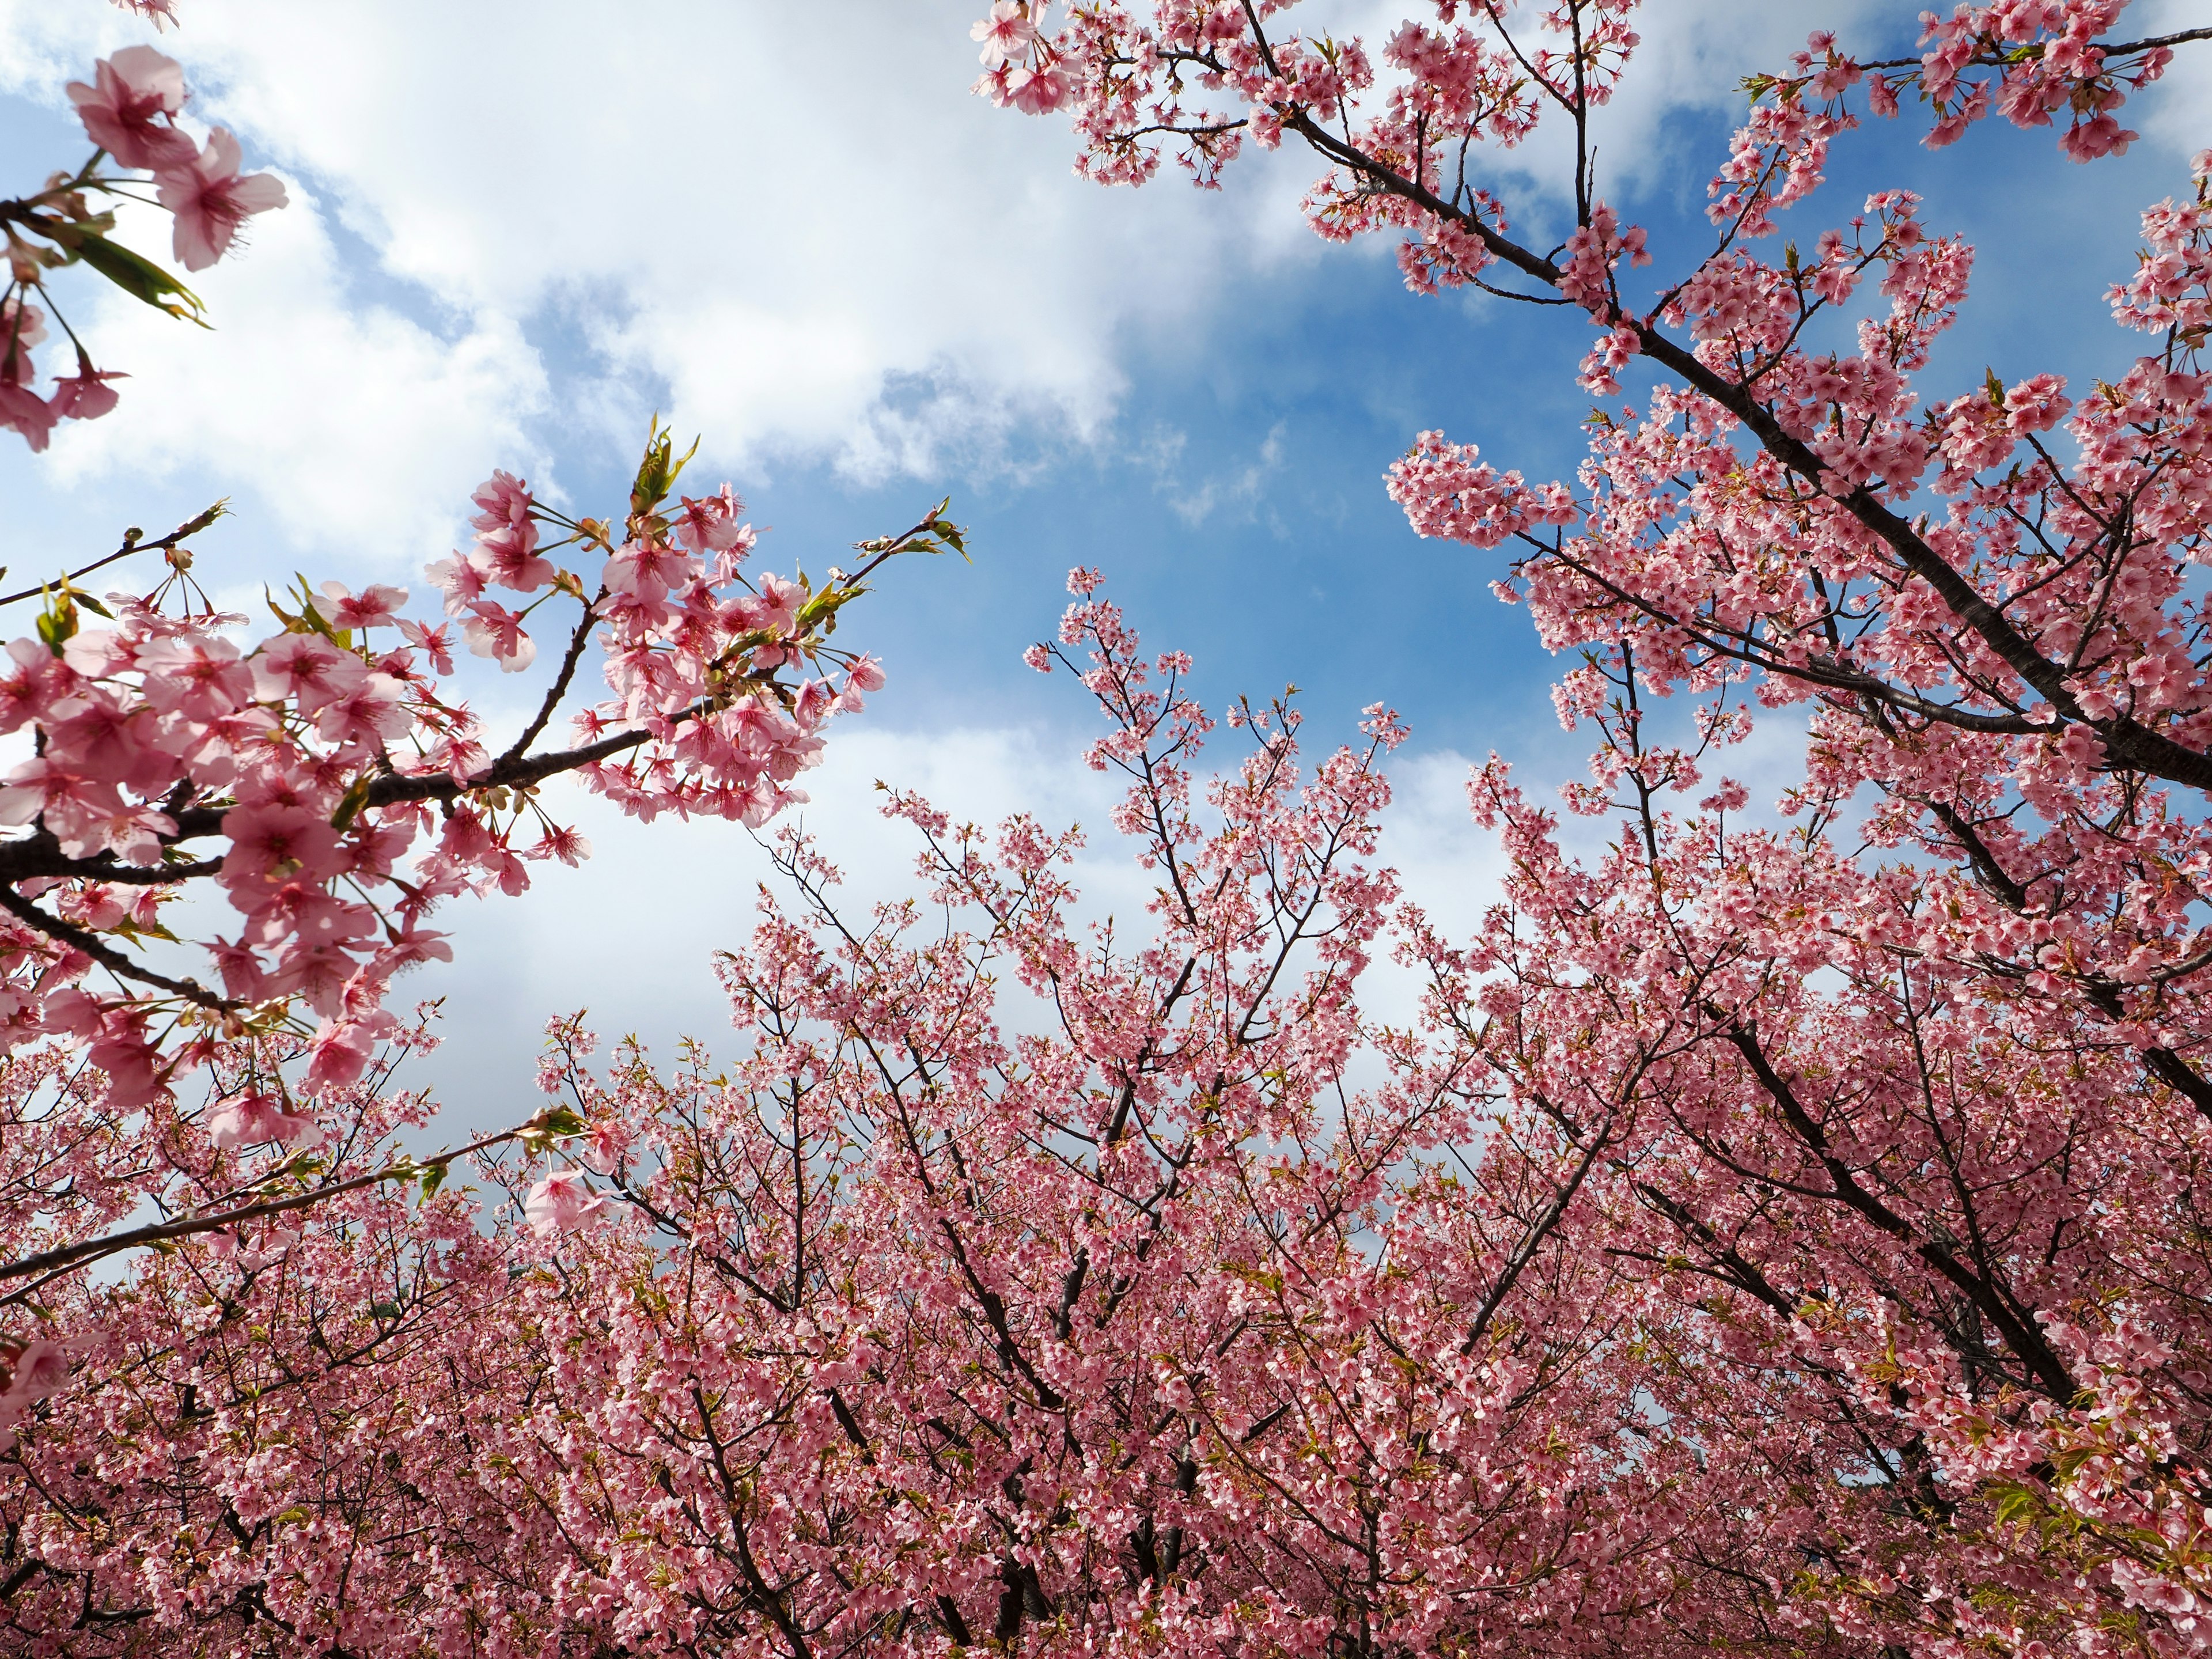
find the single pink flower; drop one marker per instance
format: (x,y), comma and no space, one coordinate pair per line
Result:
(780,603)
(604,1146)
(648,568)
(127,111)
(269,841)
(561,1203)
(1006,34)
(29,1371)
(85,395)
(462,579)
(341,1050)
(710,524)
(308,667)
(433,642)
(508,556)
(494,631)
(502,501)
(372,713)
(211,200)
(203,679)
(253,1120)
(26,412)
(378,606)
(1039,91)
(563,843)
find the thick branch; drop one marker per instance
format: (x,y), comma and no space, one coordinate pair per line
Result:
(2020,1335)
(2127,743)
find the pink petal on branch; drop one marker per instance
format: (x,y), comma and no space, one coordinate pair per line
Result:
(561,1203)
(127,109)
(211,200)
(258,1120)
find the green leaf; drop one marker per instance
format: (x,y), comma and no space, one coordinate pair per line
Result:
(658,469)
(356,797)
(58,622)
(342,637)
(2015,1503)
(141,279)
(821,610)
(384,1310)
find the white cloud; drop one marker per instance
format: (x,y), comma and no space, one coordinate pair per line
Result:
(769,223)
(1237,488)
(802,235)
(632,934)
(2173,114)
(358,429)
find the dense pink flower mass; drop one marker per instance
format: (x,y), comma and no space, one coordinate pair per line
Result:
(1854,1121)
(324,783)
(314,755)
(1778,1235)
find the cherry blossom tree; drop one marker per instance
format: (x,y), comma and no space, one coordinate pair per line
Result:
(1765,1235)
(335,790)
(907,1329)
(1895,1118)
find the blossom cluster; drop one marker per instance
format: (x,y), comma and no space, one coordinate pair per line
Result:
(1765,1041)
(342,791)
(129,109)
(1208,1309)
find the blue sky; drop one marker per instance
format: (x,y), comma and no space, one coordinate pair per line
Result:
(519,230)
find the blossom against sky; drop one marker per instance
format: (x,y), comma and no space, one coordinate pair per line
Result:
(866,289)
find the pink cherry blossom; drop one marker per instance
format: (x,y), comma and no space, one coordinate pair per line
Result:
(432,641)
(127,110)
(494,631)
(1005,33)
(212,200)
(561,1203)
(30,1370)
(305,666)
(376,606)
(712,525)
(253,1120)
(85,395)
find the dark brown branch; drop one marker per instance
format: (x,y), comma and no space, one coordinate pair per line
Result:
(2019,1334)
(162,1232)
(105,954)
(130,545)
(559,689)
(2125,49)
